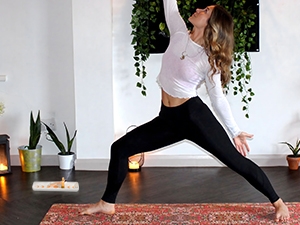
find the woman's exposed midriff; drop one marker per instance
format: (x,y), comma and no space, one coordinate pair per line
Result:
(171,101)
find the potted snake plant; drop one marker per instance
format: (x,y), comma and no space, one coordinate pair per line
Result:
(65,156)
(294,158)
(31,154)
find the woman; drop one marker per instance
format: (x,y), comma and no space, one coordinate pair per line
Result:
(203,55)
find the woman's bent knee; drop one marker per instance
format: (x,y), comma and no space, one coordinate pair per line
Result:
(118,150)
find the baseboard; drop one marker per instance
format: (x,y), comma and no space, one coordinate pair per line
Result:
(161,161)
(92,164)
(47,160)
(181,161)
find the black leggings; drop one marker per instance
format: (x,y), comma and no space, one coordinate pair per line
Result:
(193,121)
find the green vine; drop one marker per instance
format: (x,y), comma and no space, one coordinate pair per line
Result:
(140,41)
(241,71)
(145,12)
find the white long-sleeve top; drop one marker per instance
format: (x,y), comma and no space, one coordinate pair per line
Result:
(182,77)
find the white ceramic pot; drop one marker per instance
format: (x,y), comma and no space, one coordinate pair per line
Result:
(66,162)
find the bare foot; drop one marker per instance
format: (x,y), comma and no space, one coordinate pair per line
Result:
(281,211)
(102,207)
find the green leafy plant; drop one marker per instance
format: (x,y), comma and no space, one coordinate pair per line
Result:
(146,11)
(295,149)
(241,71)
(140,40)
(2,107)
(35,131)
(58,143)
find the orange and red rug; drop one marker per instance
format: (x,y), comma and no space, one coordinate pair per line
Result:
(175,214)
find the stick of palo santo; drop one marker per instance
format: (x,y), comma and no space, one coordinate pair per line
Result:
(62,182)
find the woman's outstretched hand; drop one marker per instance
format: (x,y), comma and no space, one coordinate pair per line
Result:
(241,144)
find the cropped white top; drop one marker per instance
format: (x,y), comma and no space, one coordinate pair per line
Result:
(185,67)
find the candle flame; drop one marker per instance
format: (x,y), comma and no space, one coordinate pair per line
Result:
(134,165)
(3,167)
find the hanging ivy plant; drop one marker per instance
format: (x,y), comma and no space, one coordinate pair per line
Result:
(244,19)
(145,13)
(140,40)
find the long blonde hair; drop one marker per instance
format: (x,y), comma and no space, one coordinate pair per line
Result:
(219,42)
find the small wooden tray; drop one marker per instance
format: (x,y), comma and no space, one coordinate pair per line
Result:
(55,186)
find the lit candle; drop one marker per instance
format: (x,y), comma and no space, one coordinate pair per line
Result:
(134,165)
(62,182)
(3,167)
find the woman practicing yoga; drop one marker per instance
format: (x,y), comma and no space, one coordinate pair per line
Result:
(202,55)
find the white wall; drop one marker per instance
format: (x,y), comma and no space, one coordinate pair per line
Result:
(37,57)
(69,60)
(92,35)
(57,58)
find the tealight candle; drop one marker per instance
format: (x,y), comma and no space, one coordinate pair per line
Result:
(3,167)
(134,165)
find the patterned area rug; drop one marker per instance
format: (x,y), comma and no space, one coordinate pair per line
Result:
(175,214)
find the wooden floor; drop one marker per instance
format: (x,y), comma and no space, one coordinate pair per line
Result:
(20,205)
